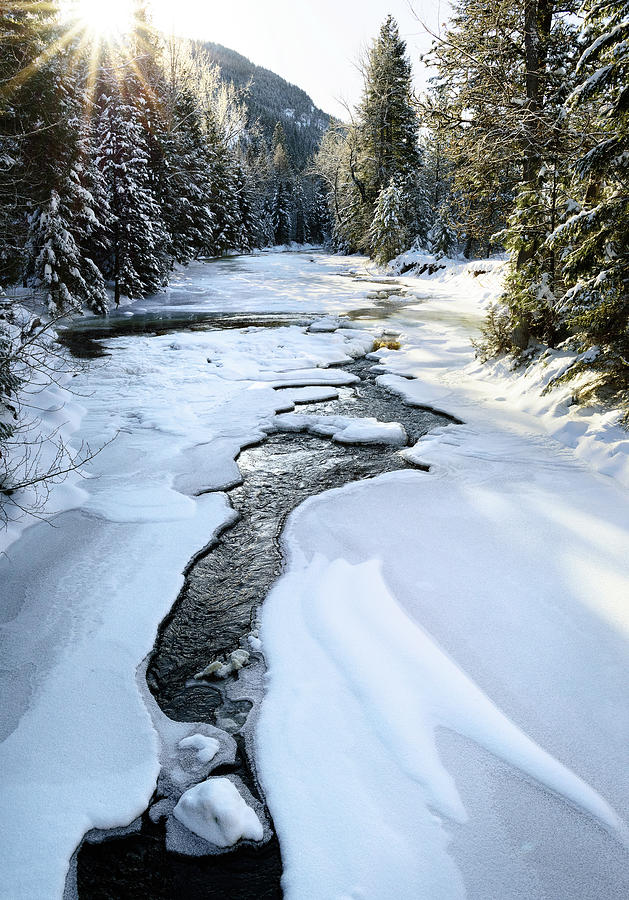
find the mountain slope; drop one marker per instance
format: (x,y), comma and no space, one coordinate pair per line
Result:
(271,99)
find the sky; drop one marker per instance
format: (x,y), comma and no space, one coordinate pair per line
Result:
(313,45)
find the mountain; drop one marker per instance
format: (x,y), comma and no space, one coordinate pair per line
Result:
(271,99)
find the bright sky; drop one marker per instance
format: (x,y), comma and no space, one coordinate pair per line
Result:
(313,45)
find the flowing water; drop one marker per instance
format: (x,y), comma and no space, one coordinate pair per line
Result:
(214,614)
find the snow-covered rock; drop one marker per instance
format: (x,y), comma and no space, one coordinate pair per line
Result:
(204,747)
(215,811)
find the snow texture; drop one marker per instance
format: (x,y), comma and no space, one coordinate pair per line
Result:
(206,748)
(344,429)
(215,811)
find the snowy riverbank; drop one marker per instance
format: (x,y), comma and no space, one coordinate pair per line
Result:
(446,711)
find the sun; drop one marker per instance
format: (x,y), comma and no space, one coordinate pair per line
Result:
(105,19)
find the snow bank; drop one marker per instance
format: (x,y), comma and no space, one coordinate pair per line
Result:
(215,811)
(437,351)
(369,662)
(48,415)
(502,581)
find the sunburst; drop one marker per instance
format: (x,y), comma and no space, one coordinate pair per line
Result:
(102,20)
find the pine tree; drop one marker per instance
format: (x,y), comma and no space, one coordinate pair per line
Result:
(9,380)
(185,186)
(26,115)
(250,230)
(319,215)
(388,121)
(441,238)
(595,240)
(504,70)
(283,203)
(224,199)
(62,216)
(58,264)
(387,232)
(380,146)
(138,260)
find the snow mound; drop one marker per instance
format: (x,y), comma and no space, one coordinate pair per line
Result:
(215,811)
(344,429)
(325,325)
(205,747)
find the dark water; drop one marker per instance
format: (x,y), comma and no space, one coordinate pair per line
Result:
(83,337)
(213,614)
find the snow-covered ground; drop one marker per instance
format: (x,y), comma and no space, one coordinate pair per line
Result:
(446,711)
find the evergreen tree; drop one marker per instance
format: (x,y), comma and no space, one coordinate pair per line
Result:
(595,240)
(388,121)
(138,260)
(387,232)
(224,199)
(26,115)
(9,380)
(186,186)
(380,146)
(319,216)
(58,264)
(63,217)
(250,232)
(441,238)
(283,203)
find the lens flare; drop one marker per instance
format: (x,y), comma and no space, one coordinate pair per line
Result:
(104,19)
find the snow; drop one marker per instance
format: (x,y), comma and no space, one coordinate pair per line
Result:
(344,429)
(205,747)
(431,625)
(446,709)
(215,811)
(356,692)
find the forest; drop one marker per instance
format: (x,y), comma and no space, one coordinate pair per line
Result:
(120,160)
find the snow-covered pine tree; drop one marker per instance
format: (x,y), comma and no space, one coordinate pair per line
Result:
(9,381)
(441,238)
(281,214)
(387,232)
(283,204)
(26,30)
(250,229)
(224,202)
(359,161)
(595,240)
(321,226)
(302,224)
(57,263)
(60,225)
(185,185)
(388,120)
(475,108)
(138,260)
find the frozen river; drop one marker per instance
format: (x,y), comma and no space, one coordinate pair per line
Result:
(445,710)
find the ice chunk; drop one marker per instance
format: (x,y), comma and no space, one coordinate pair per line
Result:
(215,811)
(344,429)
(219,669)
